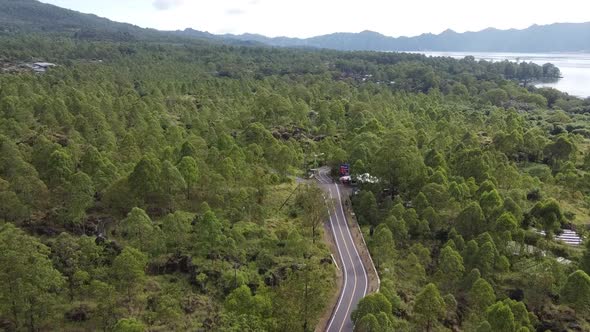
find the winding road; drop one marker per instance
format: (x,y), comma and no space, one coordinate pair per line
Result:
(356,280)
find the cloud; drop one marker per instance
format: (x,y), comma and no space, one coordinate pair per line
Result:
(235,11)
(167,4)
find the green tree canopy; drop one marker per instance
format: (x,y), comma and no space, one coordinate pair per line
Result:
(576,291)
(311,200)
(383,245)
(429,307)
(129,325)
(29,284)
(190,173)
(372,304)
(140,232)
(548,214)
(80,197)
(450,267)
(471,221)
(366,208)
(128,274)
(481,295)
(145,178)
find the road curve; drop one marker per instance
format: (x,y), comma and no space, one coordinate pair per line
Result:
(356,280)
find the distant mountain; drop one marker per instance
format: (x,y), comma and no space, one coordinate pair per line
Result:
(558,37)
(35,16)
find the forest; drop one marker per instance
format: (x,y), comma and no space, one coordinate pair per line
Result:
(151,186)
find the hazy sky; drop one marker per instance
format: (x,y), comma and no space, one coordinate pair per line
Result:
(305,18)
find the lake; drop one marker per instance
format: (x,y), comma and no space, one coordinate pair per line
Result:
(575,67)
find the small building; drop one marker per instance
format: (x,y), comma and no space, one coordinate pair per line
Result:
(41,67)
(367,178)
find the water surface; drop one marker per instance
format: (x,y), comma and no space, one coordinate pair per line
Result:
(575,67)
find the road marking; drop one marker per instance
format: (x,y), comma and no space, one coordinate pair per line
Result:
(354,246)
(343,266)
(324,179)
(334,260)
(347,312)
(350,237)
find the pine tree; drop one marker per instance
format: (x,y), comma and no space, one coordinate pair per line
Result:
(190,173)
(128,274)
(501,318)
(129,325)
(372,304)
(576,291)
(481,296)
(145,181)
(80,197)
(471,221)
(429,307)
(29,284)
(450,267)
(311,200)
(383,245)
(141,233)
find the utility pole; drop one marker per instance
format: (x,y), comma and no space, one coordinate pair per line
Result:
(305,301)
(236,266)
(289,197)
(306,292)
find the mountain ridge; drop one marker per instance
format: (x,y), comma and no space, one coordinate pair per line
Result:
(555,37)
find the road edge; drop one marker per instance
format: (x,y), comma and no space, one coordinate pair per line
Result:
(328,238)
(363,250)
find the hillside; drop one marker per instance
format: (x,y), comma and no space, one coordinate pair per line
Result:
(34,16)
(31,16)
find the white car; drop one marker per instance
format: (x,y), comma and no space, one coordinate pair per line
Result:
(345,179)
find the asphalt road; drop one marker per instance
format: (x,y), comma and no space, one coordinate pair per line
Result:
(356,280)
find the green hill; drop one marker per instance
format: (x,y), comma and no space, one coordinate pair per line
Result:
(34,16)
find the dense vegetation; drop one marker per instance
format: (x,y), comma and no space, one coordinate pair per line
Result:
(155,189)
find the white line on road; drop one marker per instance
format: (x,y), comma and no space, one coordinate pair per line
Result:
(334,260)
(355,250)
(346,316)
(343,266)
(322,178)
